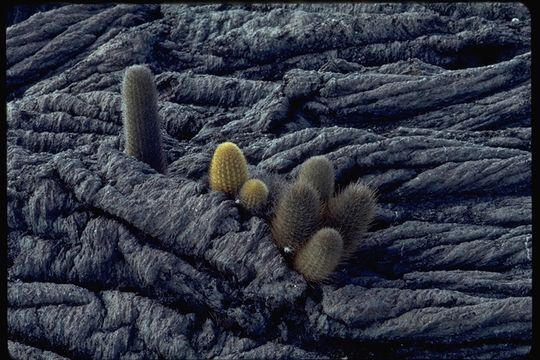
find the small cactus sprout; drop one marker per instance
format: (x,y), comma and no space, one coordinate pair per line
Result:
(297,217)
(253,194)
(320,256)
(351,212)
(140,117)
(318,171)
(228,169)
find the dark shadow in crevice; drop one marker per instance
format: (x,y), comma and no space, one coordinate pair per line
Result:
(356,349)
(296,118)
(477,55)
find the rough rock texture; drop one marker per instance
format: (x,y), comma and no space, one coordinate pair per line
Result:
(428,103)
(18,13)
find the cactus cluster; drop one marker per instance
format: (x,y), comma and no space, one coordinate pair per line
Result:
(320,228)
(229,173)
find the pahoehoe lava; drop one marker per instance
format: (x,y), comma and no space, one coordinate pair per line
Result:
(429,104)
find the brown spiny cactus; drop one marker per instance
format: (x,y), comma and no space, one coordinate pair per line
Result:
(351,212)
(320,256)
(318,171)
(297,217)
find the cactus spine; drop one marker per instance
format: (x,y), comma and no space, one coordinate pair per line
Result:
(318,171)
(140,117)
(228,169)
(320,255)
(297,217)
(351,212)
(253,194)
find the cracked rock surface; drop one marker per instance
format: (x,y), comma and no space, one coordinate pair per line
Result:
(428,103)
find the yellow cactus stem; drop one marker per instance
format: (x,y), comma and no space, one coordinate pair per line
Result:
(253,194)
(320,256)
(228,169)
